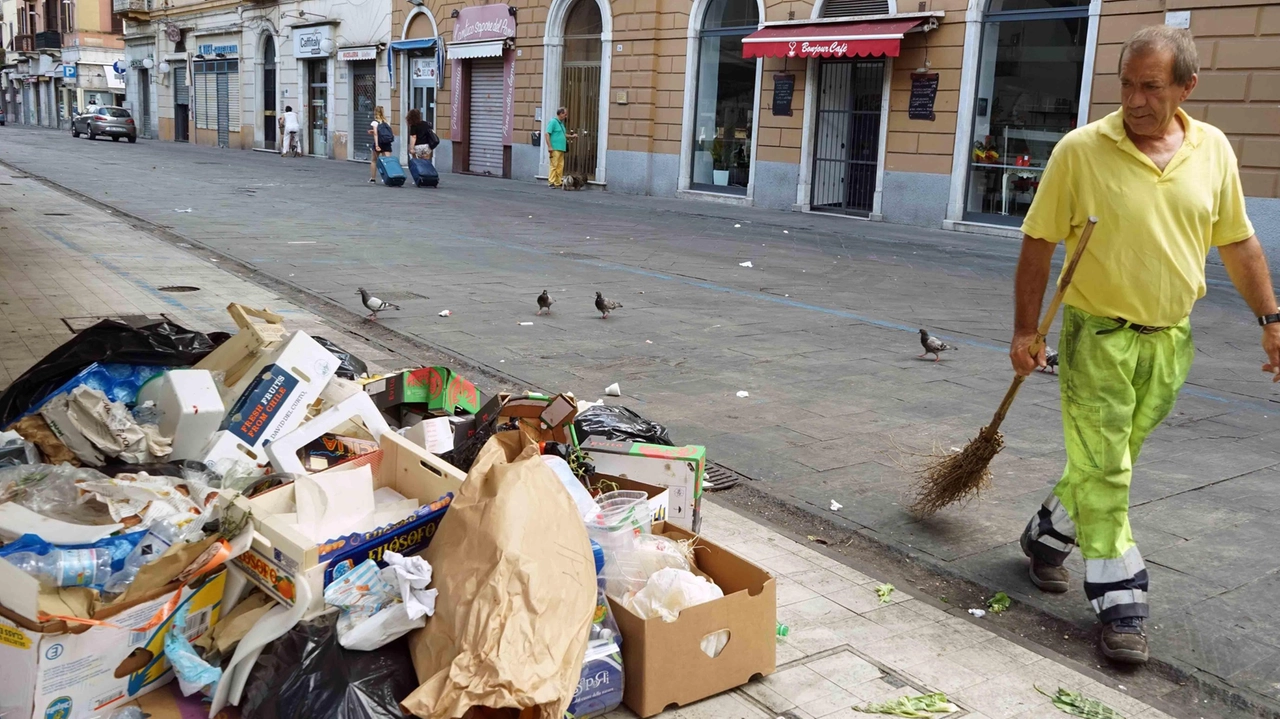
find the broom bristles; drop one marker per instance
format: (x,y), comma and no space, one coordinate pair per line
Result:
(958,476)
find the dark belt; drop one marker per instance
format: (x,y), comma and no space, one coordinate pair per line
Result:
(1123,324)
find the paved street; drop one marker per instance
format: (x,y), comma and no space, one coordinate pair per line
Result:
(820,332)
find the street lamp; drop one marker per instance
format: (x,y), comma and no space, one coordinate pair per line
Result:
(148,63)
(326,46)
(164,68)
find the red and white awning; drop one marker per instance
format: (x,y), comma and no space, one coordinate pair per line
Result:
(869,38)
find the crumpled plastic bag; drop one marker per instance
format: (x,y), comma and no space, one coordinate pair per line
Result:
(52,491)
(381,605)
(306,674)
(193,672)
(670,591)
(619,424)
(16,450)
(140,499)
(113,430)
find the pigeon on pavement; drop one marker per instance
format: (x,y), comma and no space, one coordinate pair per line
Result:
(374,304)
(605,306)
(1050,360)
(545,302)
(932,345)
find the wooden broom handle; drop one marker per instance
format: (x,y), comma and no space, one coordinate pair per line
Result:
(1045,323)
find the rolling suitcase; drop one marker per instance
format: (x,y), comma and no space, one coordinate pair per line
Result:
(390,172)
(424,173)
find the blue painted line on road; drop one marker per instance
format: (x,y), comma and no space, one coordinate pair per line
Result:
(126,274)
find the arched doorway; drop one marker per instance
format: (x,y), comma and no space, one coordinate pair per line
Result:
(724,99)
(268,92)
(580,86)
(577,59)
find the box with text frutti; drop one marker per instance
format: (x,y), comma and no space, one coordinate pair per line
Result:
(274,401)
(678,468)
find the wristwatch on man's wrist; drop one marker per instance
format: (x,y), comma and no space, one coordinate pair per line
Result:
(1269,319)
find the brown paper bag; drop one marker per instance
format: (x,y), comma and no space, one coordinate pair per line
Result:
(517,588)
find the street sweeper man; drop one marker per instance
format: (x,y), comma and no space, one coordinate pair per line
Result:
(1165,188)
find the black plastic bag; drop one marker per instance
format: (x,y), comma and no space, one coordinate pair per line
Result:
(349,366)
(620,425)
(306,674)
(162,344)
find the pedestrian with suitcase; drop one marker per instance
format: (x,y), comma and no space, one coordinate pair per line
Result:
(383,137)
(423,142)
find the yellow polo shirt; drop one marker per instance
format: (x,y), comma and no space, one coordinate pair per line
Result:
(1145,261)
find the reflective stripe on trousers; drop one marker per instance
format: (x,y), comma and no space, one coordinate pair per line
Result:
(1116,388)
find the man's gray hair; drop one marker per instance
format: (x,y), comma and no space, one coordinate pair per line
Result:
(1153,38)
(561,111)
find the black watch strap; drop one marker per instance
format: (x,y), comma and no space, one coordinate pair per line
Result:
(1269,319)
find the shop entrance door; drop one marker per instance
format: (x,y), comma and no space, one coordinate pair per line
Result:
(269,94)
(181,103)
(364,83)
(144,103)
(486,116)
(847,136)
(318,107)
(580,94)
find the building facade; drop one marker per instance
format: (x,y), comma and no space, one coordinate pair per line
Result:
(935,113)
(219,74)
(59,57)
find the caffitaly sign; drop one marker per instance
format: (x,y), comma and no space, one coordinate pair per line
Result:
(307,40)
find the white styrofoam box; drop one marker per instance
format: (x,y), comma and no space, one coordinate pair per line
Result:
(190,408)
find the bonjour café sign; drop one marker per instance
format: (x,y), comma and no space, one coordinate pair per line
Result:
(478,23)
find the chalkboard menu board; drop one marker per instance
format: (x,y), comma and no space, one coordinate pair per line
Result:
(924,89)
(784,87)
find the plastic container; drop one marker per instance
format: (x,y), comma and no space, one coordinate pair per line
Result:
(189,406)
(65,567)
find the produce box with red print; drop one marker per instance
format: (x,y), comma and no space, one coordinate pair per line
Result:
(439,390)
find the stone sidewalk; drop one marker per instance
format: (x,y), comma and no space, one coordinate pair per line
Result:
(64,264)
(820,332)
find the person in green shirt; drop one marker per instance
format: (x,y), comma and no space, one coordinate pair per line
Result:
(557,146)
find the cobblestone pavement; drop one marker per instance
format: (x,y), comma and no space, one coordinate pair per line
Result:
(820,332)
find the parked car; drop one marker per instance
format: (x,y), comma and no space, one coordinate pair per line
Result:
(113,122)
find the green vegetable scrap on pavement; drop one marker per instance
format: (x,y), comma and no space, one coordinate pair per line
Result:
(883,591)
(922,706)
(999,603)
(1077,704)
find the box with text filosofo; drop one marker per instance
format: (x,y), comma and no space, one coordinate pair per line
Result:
(58,670)
(274,401)
(281,558)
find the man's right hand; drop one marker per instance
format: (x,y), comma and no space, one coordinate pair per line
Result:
(1020,353)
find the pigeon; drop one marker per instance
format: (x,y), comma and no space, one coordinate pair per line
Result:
(606,306)
(545,302)
(1050,360)
(932,345)
(374,304)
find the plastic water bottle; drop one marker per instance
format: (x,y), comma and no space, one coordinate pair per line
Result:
(65,567)
(163,534)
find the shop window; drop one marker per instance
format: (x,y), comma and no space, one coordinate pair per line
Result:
(1030,73)
(726,98)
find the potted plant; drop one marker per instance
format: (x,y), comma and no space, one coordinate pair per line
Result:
(720,177)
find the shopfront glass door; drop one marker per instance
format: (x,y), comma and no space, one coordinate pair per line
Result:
(318,107)
(1030,74)
(726,99)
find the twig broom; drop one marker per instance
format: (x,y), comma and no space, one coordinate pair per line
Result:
(964,474)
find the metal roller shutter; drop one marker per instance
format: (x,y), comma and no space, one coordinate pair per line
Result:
(181,94)
(486,116)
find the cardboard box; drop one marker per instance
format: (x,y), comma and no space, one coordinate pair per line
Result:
(438,390)
(659,497)
(664,663)
(275,400)
(244,354)
(280,557)
(52,673)
(678,468)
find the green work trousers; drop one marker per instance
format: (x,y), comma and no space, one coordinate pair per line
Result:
(1118,384)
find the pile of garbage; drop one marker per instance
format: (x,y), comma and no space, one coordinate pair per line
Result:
(280,528)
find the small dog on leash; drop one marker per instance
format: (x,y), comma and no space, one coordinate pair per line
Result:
(574,182)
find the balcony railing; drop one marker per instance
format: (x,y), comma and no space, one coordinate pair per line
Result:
(132,6)
(48,40)
(24,43)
